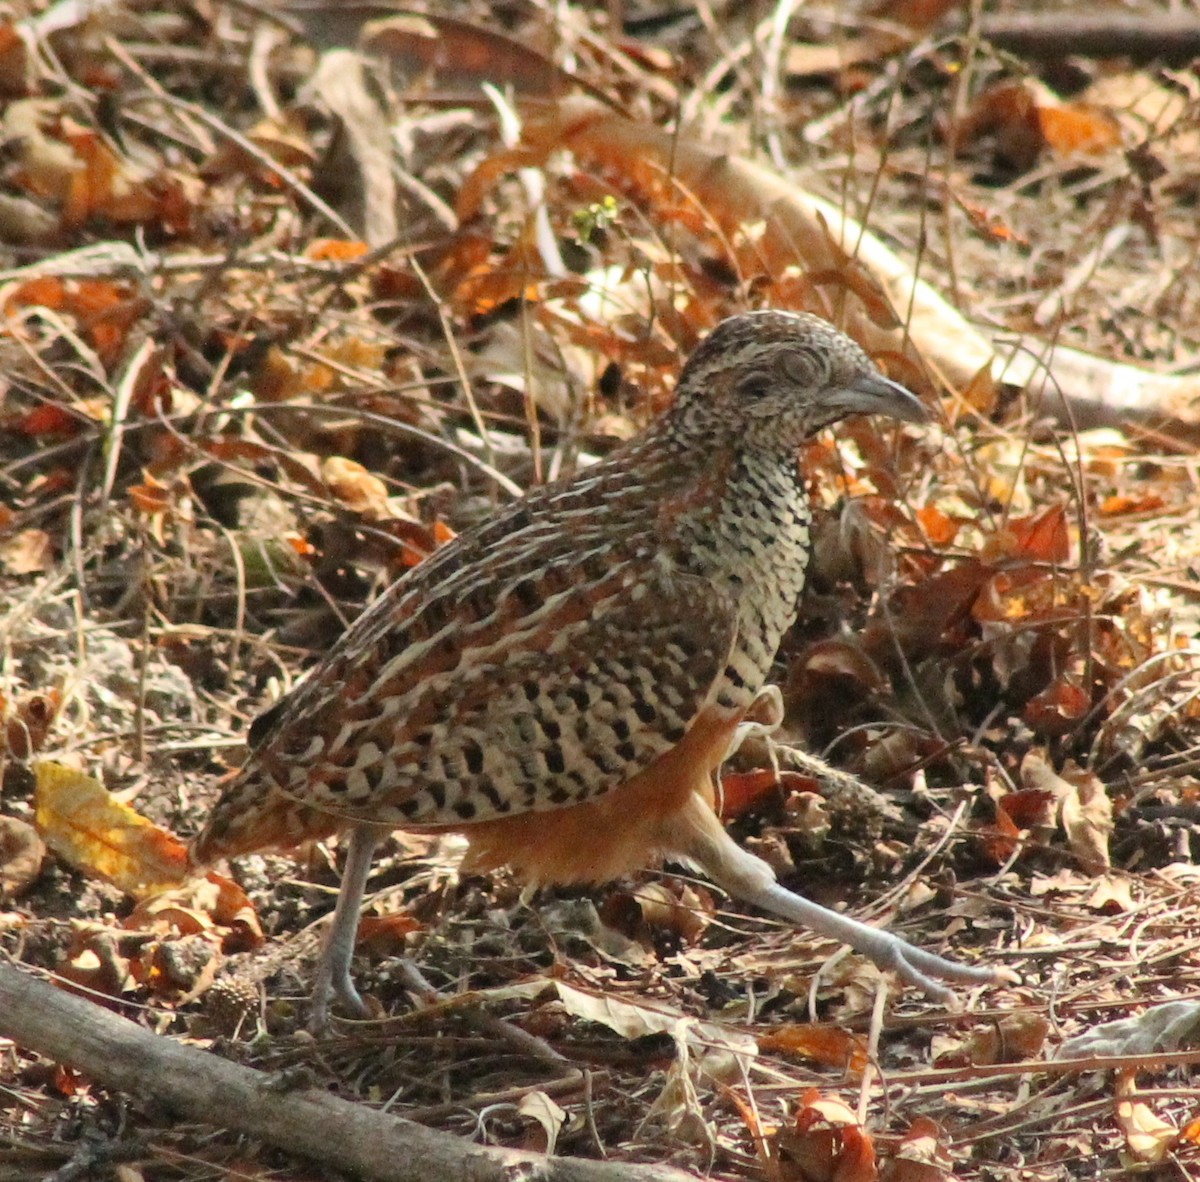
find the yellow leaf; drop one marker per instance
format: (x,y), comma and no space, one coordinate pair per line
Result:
(85,826)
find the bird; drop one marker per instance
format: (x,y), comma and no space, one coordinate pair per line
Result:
(561,682)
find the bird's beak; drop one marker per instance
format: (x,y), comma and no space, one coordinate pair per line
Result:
(873,394)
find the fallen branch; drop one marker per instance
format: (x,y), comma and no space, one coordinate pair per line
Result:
(1170,37)
(349,1137)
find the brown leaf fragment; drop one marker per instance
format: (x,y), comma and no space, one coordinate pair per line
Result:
(385,935)
(213,908)
(922,1155)
(356,488)
(1087,819)
(1025,118)
(28,553)
(27,722)
(451,53)
(658,907)
(21,855)
(826,1143)
(1084,808)
(1058,709)
(1015,1038)
(999,841)
(1041,537)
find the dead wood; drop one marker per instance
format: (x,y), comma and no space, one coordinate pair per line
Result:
(121,1055)
(1170,37)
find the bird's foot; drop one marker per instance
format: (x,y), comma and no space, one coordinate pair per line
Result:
(331,986)
(926,970)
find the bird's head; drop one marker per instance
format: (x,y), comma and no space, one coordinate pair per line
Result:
(779,377)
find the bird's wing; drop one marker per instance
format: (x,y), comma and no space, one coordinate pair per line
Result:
(518,704)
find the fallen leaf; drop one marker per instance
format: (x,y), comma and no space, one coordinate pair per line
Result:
(549,1116)
(28,553)
(1171,1026)
(829,1045)
(356,488)
(921,1156)
(826,1141)
(1148,1137)
(83,824)
(21,854)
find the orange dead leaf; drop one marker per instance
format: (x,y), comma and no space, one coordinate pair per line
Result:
(1028,808)
(1058,709)
(385,934)
(1042,537)
(85,826)
(335,250)
(201,905)
(68,1082)
(826,1142)
(104,311)
(939,528)
(149,497)
(917,15)
(740,791)
(1013,1039)
(828,1045)
(104,185)
(1000,840)
(1123,505)
(48,419)
(417,540)
(1078,129)
(1025,118)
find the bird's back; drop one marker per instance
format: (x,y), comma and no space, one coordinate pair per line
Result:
(536,661)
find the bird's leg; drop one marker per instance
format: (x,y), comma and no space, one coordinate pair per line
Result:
(761,720)
(333,969)
(750,879)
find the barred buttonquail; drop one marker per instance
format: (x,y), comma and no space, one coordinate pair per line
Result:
(561,682)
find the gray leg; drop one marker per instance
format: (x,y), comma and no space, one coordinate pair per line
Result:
(333,969)
(752,880)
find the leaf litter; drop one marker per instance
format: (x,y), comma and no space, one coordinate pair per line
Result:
(261,358)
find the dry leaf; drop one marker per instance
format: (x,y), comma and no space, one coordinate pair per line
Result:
(356,488)
(1087,818)
(21,854)
(1172,1026)
(548,1115)
(1148,1137)
(829,1045)
(921,1155)
(89,829)
(826,1143)
(28,553)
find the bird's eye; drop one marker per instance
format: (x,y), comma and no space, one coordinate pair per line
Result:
(754,386)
